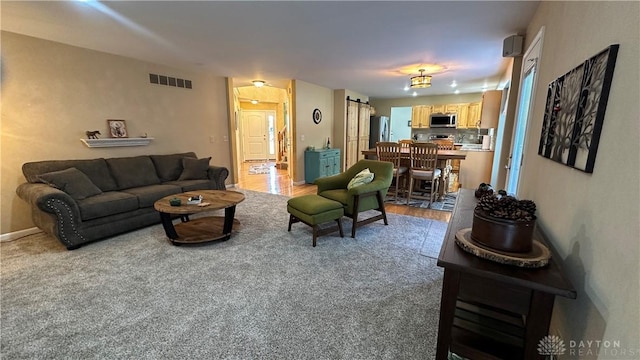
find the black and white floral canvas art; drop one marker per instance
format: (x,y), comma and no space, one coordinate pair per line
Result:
(574,112)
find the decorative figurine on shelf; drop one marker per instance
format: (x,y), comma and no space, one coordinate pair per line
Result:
(93,134)
(144,136)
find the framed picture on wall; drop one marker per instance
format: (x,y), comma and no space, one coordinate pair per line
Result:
(117,128)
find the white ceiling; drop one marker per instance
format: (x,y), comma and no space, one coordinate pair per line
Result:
(358,45)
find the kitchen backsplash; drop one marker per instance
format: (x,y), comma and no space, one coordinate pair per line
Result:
(462,136)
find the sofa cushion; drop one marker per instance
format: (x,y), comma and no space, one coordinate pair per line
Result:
(96,169)
(191,185)
(131,172)
(169,167)
(194,169)
(72,181)
(107,203)
(148,195)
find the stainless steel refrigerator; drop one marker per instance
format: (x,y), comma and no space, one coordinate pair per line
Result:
(380,129)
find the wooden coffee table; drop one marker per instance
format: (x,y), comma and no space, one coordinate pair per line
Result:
(202,229)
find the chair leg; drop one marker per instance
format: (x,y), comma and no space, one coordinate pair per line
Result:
(397,185)
(290,221)
(339,220)
(315,234)
(410,190)
(382,210)
(356,200)
(435,186)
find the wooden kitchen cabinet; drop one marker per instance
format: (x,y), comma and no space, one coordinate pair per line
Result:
(452,108)
(463,116)
(420,116)
(475,113)
(490,113)
(438,109)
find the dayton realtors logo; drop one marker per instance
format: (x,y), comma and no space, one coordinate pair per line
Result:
(551,346)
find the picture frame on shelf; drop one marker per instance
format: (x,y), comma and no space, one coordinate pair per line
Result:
(117,128)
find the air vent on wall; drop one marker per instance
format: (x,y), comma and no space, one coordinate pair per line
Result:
(169,81)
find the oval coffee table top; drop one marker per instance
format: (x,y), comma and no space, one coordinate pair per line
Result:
(217,199)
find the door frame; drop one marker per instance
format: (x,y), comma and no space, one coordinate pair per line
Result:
(530,62)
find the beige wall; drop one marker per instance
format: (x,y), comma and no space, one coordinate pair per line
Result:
(383,106)
(593,219)
(307,98)
(52,93)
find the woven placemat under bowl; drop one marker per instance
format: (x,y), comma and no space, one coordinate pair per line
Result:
(538,256)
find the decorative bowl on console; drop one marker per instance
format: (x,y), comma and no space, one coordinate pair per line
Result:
(504,223)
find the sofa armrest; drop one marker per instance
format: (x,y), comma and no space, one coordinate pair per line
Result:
(54,212)
(38,195)
(218,175)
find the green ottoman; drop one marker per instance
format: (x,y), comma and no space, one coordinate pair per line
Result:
(314,210)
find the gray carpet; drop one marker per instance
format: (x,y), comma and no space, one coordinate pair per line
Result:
(264,294)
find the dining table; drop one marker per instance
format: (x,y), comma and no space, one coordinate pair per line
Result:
(443,157)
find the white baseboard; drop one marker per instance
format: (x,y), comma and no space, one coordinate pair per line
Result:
(18,234)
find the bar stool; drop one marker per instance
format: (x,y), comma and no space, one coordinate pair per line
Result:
(391,151)
(424,157)
(405,143)
(447,168)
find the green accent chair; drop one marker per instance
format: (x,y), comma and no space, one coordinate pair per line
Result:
(360,198)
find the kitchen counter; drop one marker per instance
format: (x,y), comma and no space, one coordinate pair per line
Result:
(473,147)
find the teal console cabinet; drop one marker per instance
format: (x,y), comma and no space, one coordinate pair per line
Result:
(321,163)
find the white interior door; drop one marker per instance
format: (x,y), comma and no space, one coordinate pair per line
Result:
(527,87)
(255,135)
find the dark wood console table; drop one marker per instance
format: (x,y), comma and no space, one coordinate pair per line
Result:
(490,310)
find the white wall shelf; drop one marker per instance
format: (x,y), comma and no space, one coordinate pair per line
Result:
(112,142)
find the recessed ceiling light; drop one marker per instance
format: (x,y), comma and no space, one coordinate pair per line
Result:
(457,91)
(453,84)
(414,94)
(258,83)
(406,88)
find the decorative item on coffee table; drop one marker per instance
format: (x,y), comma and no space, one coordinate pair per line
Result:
(503,230)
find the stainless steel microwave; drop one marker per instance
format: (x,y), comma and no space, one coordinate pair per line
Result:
(443,120)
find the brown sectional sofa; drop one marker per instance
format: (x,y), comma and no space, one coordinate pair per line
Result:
(80,201)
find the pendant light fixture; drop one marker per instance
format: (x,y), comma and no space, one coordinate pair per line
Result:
(421,81)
